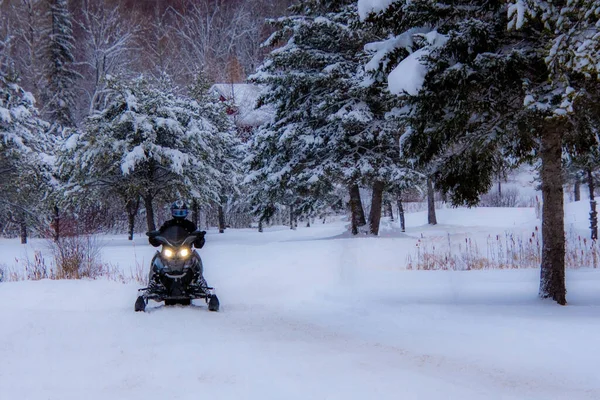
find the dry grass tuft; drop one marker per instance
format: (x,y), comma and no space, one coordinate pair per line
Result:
(508,251)
(78,257)
(74,257)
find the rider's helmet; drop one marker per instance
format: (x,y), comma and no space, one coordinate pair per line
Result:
(179,209)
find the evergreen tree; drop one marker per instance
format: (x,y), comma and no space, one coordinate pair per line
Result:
(568,35)
(457,91)
(463,79)
(59,91)
(329,128)
(482,93)
(231,155)
(24,161)
(582,159)
(149,143)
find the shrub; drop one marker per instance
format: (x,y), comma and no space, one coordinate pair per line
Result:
(78,257)
(509,197)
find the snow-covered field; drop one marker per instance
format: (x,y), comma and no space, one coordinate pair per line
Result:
(308,314)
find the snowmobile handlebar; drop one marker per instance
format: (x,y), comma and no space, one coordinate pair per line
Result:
(187,241)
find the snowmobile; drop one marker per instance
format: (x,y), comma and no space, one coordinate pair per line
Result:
(176,272)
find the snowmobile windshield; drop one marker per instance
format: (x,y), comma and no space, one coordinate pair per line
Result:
(175,235)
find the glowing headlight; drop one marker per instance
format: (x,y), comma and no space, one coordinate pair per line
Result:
(184,253)
(168,253)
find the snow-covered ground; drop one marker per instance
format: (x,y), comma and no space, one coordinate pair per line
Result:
(308,314)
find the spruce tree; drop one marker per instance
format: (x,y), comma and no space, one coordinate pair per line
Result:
(59,92)
(150,143)
(459,77)
(329,128)
(455,89)
(25,163)
(231,153)
(484,92)
(582,158)
(568,42)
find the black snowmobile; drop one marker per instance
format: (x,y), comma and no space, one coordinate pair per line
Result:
(176,272)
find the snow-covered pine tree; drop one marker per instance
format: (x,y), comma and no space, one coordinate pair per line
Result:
(582,159)
(59,92)
(149,142)
(473,97)
(444,63)
(24,163)
(329,128)
(574,57)
(230,153)
(568,34)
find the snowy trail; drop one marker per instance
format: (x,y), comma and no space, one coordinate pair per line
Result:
(305,315)
(69,347)
(418,374)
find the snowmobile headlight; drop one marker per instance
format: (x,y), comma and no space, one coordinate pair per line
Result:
(184,252)
(168,253)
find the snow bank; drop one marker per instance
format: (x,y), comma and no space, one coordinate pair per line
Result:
(312,314)
(369,332)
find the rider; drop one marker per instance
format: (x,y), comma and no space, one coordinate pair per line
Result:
(179,211)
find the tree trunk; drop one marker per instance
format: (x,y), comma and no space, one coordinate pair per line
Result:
(356,209)
(577,190)
(221,219)
(388,204)
(132,207)
(56,224)
(260,224)
(552,276)
(401,213)
(292,225)
(376,205)
(593,213)
(149,212)
(23,226)
(362,219)
(131,227)
(431,218)
(195,212)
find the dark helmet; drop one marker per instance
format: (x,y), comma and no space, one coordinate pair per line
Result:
(179,209)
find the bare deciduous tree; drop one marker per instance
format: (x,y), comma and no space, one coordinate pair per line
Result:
(107,45)
(161,52)
(26,16)
(215,32)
